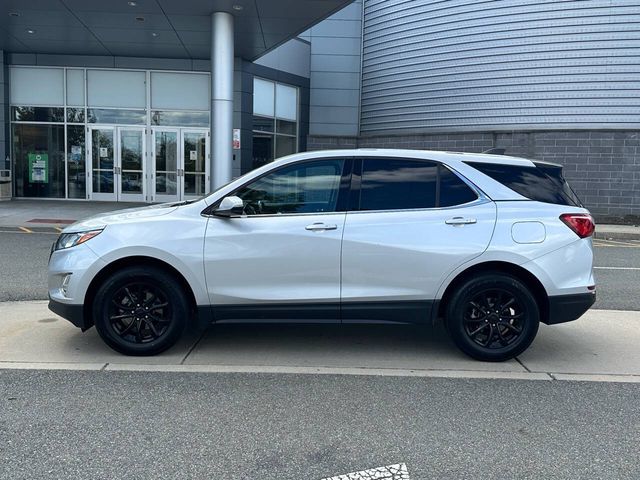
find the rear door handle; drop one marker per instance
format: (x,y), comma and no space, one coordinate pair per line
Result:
(460,221)
(319,227)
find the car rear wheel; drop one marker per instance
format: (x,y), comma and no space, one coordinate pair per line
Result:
(492,317)
(140,311)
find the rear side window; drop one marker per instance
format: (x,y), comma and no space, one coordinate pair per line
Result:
(542,183)
(399,184)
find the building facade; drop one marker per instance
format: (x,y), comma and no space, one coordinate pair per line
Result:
(552,80)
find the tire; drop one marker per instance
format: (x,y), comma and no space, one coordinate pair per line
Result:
(492,317)
(140,311)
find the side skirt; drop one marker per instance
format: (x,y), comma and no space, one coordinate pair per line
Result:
(412,312)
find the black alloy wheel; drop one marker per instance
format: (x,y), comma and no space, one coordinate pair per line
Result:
(492,317)
(140,311)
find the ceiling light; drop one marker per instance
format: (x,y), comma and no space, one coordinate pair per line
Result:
(30,31)
(140,19)
(154,34)
(132,4)
(14,14)
(238,7)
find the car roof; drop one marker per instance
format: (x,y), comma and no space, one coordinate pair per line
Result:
(449,158)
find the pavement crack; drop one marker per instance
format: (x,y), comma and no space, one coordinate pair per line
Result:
(195,344)
(522,365)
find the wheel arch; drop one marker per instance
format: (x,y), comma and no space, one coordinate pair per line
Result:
(522,274)
(136,260)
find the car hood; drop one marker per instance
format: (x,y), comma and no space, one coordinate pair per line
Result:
(128,215)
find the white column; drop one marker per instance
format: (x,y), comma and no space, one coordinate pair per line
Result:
(221,98)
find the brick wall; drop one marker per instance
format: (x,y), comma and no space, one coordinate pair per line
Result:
(603,167)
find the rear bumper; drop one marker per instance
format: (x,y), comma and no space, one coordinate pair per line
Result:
(565,308)
(73,313)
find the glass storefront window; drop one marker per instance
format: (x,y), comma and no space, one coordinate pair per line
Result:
(262,149)
(112,115)
(285,145)
(184,119)
(39,155)
(263,124)
(37,114)
(76,166)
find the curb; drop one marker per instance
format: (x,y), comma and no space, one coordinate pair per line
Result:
(614,235)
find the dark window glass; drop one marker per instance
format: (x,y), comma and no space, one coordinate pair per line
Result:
(38,152)
(542,183)
(76,167)
(389,184)
(75,115)
(285,127)
(37,114)
(453,191)
(262,149)
(306,188)
(112,115)
(263,124)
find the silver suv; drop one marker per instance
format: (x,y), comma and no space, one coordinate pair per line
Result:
(492,245)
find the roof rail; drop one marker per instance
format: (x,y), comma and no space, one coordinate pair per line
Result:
(495,151)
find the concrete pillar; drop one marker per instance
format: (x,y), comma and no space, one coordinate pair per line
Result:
(221,98)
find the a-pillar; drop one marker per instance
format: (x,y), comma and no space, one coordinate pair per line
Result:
(221,98)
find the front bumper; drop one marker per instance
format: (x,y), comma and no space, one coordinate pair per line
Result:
(565,308)
(71,312)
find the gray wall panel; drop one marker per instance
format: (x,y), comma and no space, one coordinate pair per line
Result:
(497,65)
(336,46)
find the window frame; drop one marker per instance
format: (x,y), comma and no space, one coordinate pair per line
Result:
(343,189)
(355,192)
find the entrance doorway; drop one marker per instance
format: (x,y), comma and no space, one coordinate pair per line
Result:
(180,164)
(117,167)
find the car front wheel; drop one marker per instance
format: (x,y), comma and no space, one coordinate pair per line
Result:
(492,317)
(140,311)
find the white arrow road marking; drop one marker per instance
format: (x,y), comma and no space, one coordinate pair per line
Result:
(390,472)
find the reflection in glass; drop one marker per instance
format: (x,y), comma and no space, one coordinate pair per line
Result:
(102,160)
(183,119)
(37,114)
(195,145)
(194,184)
(306,188)
(131,161)
(75,115)
(166,149)
(76,166)
(38,153)
(112,115)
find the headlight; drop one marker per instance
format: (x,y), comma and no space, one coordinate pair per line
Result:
(68,240)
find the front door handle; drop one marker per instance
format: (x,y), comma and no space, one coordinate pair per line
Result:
(460,221)
(319,227)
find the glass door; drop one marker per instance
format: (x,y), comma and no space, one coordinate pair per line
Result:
(131,169)
(195,169)
(166,181)
(103,163)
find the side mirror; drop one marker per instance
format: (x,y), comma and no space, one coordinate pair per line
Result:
(230,207)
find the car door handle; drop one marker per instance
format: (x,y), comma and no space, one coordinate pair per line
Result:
(319,227)
(460,221)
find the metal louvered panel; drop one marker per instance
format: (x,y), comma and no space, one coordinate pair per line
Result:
(500,65)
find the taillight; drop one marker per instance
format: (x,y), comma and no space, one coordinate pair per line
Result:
(581,223)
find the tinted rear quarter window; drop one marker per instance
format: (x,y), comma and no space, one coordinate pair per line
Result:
(542,182)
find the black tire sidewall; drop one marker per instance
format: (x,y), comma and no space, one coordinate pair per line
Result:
(473,286)
(157,278)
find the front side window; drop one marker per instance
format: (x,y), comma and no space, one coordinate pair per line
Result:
(311,187)
(399,184)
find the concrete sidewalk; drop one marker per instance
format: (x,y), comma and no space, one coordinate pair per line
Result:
(601,346)
(50,214)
